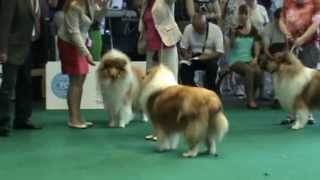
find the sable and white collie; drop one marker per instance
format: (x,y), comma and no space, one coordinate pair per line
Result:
(297,87)
(119,84)
(174,109)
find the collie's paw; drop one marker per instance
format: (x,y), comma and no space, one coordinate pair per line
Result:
(164,149)
(144,118)
(189,154)
(112,124)
(296,126)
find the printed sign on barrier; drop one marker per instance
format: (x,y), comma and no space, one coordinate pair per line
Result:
(57,87)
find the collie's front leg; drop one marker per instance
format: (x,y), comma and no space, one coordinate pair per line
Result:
(112,119)
(163,140)
(301,119)
(126,115)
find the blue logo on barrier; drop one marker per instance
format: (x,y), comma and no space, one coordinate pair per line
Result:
(59,85)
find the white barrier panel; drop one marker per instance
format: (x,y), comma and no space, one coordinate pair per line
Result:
(57,86)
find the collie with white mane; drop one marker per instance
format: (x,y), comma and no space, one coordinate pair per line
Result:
(119,83)
(297,87)
(175,109)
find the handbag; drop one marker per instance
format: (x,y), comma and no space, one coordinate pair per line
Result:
(142,43)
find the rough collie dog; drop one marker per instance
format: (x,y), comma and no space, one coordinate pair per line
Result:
(297,87)
(119,84)
(174,109)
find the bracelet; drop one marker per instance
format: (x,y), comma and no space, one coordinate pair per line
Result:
(195,58)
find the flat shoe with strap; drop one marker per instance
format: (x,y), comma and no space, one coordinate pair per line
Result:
(78,126)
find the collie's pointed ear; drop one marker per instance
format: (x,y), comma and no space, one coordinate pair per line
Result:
(292,58)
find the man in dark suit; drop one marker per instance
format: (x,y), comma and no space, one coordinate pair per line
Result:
(18,26)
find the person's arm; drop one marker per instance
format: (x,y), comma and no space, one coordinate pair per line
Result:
(137,4)
(71,20)
(307,35)
(185,44)
(266,40)
(257,50)
(186,53)
(102,10)
(210,55)
(170,2)
(219,48)
(190,8)
(257,46)
(283,26)
(265,15)
(53,3)
(7,10)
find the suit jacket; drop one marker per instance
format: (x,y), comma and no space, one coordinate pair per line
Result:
(163,16)
(17,21)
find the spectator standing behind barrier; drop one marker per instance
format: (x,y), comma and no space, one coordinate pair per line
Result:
(18,27)
(244,53)
(296,22)
(160,33)
(201,46)
(74,54)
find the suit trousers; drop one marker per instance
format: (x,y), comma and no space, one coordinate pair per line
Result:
(16,87)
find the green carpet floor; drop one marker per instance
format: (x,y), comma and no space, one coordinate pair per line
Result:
(256,148)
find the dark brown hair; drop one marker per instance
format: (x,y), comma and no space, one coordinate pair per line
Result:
(243,9)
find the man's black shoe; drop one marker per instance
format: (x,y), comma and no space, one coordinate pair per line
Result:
(27,126)
(4,132)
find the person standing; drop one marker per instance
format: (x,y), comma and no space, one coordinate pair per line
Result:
(296,22)
(19,25)
(158,25)
(74,53)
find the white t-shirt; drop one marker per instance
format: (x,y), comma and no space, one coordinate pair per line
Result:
(195,41)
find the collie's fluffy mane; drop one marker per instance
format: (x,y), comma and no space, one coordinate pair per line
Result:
(114,58)
(115,54)
(158,79)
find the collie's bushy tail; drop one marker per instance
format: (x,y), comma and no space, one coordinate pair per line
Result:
(221,125)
